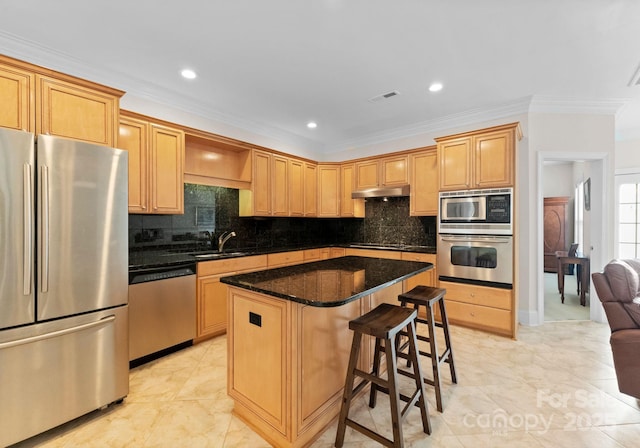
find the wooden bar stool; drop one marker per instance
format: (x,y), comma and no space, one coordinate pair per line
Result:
(384,323)
(428,296)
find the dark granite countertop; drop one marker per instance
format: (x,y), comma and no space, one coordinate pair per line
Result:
(172,257)
(328,283)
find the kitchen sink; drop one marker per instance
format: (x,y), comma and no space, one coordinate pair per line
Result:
(216,255)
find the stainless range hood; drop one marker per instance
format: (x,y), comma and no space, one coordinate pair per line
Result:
(382,192)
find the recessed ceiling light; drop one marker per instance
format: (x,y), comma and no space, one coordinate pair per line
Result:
(435,87)
(312,125)
(188,74)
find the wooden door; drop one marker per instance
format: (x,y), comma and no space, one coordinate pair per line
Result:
(367,175)
(72,111)
(494,155)
(394,170)
(455,164)
(310,189)
(328,191)
(166,169)
(133,137)
(279,186)
(261,183)
(17,99)
(556,223)
(212,306)
(349,206)
(295,187)
(424,184)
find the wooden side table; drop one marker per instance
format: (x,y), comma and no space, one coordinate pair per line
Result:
(583,280)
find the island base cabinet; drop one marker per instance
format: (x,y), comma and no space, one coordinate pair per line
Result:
(288,363)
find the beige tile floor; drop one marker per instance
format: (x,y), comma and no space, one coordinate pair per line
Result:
(553,387)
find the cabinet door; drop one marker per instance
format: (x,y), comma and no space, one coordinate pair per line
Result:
(328,191)
(395,171)
(261,183)
(133,137)
(167,159)
(424,184)
(455,164)
(296,187)
(349,206)
(212,306)
(280,186)
(77,112)
(494,159)
(310,189)
(17,99)
(367,174)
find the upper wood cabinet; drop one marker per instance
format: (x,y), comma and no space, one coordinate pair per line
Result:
(424,183)
(382,172)
(280,186)
(349,206)
(156,160)
(17,96)
(310,189)
(295,187)
(328,190)
(43,101)
(479,159)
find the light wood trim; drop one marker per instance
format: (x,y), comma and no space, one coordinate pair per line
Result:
(373,253)
(228,265)
(478,295)
(310,189)
(17,97)
(216,182)
(167,162)
(512,126)
(69,110)
(296,187)
(133,137)
(424,183)
(367,173)
(285,258)
(394,170)
(328,190)
(494,320)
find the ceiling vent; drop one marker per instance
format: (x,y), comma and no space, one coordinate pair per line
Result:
(384,96)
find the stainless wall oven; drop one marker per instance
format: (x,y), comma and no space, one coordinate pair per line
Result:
(482,259)
(475,241)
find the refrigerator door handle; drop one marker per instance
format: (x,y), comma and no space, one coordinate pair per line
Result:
(28,226)
(44,272)
(55,334)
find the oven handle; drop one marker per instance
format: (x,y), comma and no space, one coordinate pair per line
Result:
(492,239)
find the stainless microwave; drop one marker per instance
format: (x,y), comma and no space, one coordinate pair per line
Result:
(474,212)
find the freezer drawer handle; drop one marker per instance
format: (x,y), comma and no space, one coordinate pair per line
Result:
(44,271)
(28,225)
(55,334)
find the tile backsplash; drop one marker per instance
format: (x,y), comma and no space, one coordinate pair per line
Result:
(209,211)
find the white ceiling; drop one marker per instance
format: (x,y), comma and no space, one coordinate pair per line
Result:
(271,66)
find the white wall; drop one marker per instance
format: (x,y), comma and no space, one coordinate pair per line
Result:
(558,180)
(628,155)
(565,137)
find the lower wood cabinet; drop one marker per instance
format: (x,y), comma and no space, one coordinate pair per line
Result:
(428,278)
(211,310)
(484,308)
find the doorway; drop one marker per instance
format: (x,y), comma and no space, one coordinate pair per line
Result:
(593,227)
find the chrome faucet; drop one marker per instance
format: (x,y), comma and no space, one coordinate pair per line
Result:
(224,238)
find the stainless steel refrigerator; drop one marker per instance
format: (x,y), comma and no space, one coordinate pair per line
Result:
(63,281)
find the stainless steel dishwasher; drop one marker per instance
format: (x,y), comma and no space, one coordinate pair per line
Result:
(162,311)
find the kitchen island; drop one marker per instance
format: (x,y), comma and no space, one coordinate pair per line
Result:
(289,339)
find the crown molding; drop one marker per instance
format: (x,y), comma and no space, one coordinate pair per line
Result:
(469,117)
(566,105)
(34,53)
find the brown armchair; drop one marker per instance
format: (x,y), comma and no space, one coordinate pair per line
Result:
(618,290)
